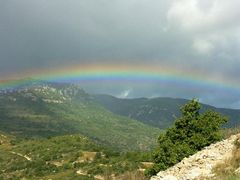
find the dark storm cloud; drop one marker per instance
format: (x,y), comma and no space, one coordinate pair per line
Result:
(196,35)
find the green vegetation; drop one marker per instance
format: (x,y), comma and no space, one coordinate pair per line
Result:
(57,131)
(158,112)
(64,157)
(48,110)
(190,133)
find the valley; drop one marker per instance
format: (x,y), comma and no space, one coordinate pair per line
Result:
(58,131)
(119,90)
(65,157)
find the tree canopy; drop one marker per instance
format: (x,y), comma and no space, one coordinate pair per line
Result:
(189,134)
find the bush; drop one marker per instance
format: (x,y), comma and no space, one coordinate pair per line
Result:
(189,134)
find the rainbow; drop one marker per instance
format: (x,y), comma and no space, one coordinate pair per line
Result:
(119,73)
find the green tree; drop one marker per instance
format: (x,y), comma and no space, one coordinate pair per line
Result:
(189,134)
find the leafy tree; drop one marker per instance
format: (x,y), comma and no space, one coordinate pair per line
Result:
(189,134)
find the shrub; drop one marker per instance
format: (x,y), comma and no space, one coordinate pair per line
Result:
(189,134)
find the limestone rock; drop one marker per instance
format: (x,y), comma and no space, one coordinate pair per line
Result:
(200,164)
(237,171)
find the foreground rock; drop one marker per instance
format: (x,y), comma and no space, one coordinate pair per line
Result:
(201,164)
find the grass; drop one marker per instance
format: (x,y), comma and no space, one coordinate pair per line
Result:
(227,132)
(228,169)
(135,175)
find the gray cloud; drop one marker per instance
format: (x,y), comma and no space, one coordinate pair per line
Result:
(192,35)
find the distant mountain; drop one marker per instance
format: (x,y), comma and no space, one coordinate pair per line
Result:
(157,112)
(43,109)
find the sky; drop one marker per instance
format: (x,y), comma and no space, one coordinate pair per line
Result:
(200,36)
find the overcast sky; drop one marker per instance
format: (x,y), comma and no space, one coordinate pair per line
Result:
(187,34)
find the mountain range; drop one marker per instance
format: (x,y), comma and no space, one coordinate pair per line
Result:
(158,112)
(43,109)
(57,131)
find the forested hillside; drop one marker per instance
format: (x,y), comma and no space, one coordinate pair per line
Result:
(49,109)
(158,112)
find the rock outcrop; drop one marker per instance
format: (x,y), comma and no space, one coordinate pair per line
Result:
(201,164)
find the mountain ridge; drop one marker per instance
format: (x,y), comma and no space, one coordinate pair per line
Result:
(49,109)
(158,112)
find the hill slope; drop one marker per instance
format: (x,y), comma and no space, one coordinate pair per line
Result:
(203,164)
(62,157)
(50,109)
(157,112)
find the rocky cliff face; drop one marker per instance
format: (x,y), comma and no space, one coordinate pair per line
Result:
(201,164)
